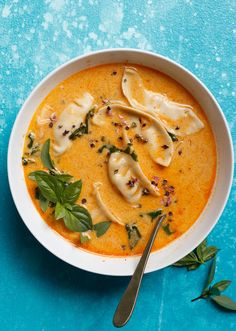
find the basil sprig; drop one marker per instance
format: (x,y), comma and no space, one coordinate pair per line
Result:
(198,256)
(112,149)
(64,195)
(214,292)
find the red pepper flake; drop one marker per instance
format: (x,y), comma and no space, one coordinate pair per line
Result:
(132,181)
(145,191)
(109,111)
(114,73)
(105,101)
(83,201)
(177,127)
(180,152)
(127,127)
(60,126)
(116,171)
(140,138)
(65,132)
(50,124)
(53,117)
(164,146)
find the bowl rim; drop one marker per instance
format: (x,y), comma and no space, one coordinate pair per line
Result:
(111,268)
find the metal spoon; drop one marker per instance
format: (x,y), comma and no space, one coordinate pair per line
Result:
(127,303)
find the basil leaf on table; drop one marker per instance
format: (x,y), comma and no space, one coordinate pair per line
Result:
(211,274)
(101,228)
(45,155)
(199,255)
(72,192)
(78,219)
(222,285)
(225,302)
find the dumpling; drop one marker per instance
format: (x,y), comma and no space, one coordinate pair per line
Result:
(159,142)
(128,177)
(176,117)
(103,206)
(70,119)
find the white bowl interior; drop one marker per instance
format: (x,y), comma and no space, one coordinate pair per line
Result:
(119,265)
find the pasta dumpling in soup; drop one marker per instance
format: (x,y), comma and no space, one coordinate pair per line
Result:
(112,148)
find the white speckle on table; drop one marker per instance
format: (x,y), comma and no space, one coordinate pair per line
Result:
(111,17)
(93,36)
(6,11)
(218,58)
(56,4)
(65,28)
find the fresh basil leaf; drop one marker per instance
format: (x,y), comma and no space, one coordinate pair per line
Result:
(214,291)
(188,260)
(72,192)
(200,250)
(224,301)
(209,253)
(60,211)
(78,219)
(45,155)
(101,228)
(211,274)
(50,188)
(173,136)
(153,214)
(65,178)
(84,127)
(166,228)
(193,266)
(222,285)
(43,202)
(38,172)
(133,235)
(112,149)
(83,238)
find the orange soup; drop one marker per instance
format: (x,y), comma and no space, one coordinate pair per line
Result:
(112,148)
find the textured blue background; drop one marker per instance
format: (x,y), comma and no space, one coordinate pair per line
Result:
(37,290)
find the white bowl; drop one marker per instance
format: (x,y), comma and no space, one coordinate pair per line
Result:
(109,265)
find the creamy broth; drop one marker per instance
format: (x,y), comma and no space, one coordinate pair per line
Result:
(176,176)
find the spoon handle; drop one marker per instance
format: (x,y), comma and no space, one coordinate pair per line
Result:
(126,305)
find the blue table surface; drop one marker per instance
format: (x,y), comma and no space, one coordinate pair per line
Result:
(40,292)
